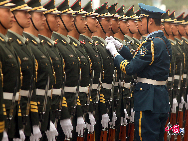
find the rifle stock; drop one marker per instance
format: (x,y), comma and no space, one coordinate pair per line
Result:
(80,138)
(165,134)
(112,135)
(103,136)
(90,137)
(180,121)
(131,135)
(122,133)
(173,122)
(186,126)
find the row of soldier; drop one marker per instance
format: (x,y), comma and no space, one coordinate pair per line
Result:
(57,75)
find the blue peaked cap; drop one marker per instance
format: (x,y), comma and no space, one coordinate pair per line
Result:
(151,11)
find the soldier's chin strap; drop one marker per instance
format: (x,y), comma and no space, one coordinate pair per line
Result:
(34,24)
(48,24)
(18,22)
(186,33)
(89,28)
(101,26)
(130,31)
(173,34)
(112,31)
(76,28)
(179,33)
(3,25)
(147,24)
(63,23)
(166,32)
(139,32)
(121,31)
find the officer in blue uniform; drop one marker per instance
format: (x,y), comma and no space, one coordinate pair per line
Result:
(151,62)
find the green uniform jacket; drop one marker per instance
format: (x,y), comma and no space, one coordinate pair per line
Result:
(57,61)
(44,69)
(96,60)
(71,69)
(28,69)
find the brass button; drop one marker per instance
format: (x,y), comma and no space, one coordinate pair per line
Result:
(141,89)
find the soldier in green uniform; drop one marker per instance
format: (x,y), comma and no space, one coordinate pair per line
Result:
(104,27)
(44,72)
(22,20)
(10,67)
(85,64)
(2,120)
(72,69)
(58,65)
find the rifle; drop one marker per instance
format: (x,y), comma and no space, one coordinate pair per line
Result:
(45,99)
(112,125)
(186,124)
(103,136)
(131,126)
(28,101)
(90,135)
(10,117)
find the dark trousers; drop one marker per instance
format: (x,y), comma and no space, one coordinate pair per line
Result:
(150,126)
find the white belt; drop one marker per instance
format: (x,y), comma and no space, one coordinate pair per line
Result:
(42,92)
(84,89)
(95,86)
(126,85)
(107,86)
(150,81)
(169,78)
(184,75)
(176,77)
(24,93)
(70,89)
(8,96)
(116,83)
(56,92)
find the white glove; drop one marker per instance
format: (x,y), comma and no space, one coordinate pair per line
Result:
(114,118)
(34,138)
(116,42)
(80,126)
(52,133)
(5,136)
(36,133)
(186,103)
(67,127)
(182,102)
(22,135)
(111,47)
(132,115)
(175,104)
(90,127)
(105,120)
(126,117)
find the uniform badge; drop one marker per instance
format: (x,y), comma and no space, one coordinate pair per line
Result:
(34,42)
(74,44)
(19,42)
(96,43)
(102,44)
(64,41)
(43,56)
(90,42)
(71,55)
(9,56)
(2,39)
(49,43)
(83,42)
(55,42)
(25,58)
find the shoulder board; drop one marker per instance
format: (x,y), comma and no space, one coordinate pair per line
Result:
(34,42)
(83,42)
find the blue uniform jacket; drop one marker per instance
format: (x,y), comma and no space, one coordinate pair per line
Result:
(151,61)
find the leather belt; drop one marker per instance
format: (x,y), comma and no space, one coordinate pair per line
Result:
(8,96)
(56,92)
(24,93)
(41,92)
(150,81)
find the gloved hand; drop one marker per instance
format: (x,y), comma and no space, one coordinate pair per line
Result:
(22,136)
(67,127)
(111,47)
(175,104)
(5,136)
(132,115)
(116,42)
(114,118)
(90,127)
(186,103)
(34,138)
(52,133)
(105,120)
(80,126)
(36,133)
(181,103)
(126,117)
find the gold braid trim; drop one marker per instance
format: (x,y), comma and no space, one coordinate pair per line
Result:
(18,7)
(4,2)
(123,65)
(102,100)
(139,48)
(64,102)
(49,11)
(78,101)
(37,8)
(152,51)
